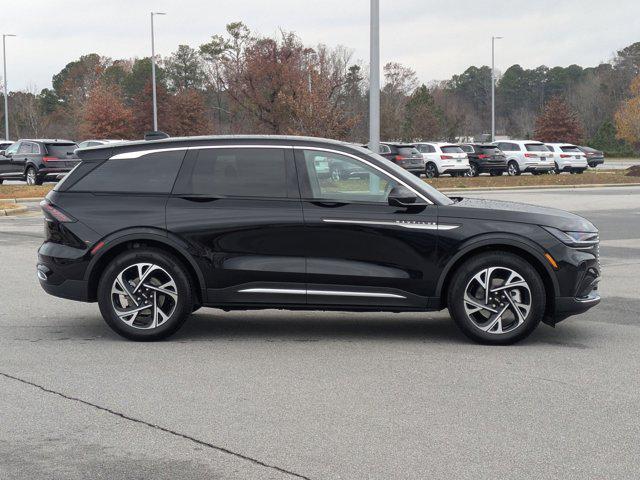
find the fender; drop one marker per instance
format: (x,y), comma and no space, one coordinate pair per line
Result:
(497,240)
(140,234)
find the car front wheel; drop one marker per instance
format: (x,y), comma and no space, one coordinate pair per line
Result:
(496,298)
(145,294)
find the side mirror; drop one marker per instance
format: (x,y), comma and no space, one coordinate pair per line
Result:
(3,153)
(401,196)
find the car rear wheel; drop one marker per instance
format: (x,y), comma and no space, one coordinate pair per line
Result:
(431,171)
(496,298)
(145,294)
(32,177)
(473,170)
(513,169)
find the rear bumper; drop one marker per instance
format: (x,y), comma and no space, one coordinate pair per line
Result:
(492,167)
(539,168)
(69,289)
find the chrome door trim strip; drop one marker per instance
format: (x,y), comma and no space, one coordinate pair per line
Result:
(372,165)
(285,291)
(337,293)
(395,223)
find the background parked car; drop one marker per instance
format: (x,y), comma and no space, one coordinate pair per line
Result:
(484,158)
(37,160)
(95,143)
(4,144)
(404,155)
(568,158)
(594,157)
(526,156)
(442,158)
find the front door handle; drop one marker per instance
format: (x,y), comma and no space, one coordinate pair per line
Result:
(198,198)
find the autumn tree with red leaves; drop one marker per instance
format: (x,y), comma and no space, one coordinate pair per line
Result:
(105,114)
(188,114)
(558,123)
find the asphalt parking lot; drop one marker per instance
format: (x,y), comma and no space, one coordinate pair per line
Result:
(281,395)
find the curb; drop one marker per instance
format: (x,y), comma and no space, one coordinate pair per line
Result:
(539,187)
(13,211)
(21,200)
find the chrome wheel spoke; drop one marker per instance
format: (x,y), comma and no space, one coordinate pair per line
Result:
(144,296)
(497,300)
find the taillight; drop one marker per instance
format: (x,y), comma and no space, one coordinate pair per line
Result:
(446,157)
(531,155)
(50,159)
(397,158)
(56,213)
(564,155)
(482,155)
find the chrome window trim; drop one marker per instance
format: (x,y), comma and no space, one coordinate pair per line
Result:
(355,157)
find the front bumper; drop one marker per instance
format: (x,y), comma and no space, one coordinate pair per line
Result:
(566,307)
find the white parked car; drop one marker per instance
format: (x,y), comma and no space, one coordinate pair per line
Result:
(568,157)
(95,143)
(526,156)
(441,158)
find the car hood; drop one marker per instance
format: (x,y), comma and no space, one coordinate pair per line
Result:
(498,210)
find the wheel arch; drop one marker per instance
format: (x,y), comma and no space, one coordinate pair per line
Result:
(515,245)
(117,244)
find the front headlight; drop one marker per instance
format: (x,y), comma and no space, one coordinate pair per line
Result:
(575,239)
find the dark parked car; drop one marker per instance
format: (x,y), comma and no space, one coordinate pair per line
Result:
(404,155)
(154,230)
(594,157)
(36,161)
(485,158)
(4,144)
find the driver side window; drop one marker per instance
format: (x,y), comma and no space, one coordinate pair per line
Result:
(344,179)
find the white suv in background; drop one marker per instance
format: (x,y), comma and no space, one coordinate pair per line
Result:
(568,158)
(526,156)
(441,158)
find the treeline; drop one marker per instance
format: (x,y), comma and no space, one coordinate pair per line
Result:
(240,82)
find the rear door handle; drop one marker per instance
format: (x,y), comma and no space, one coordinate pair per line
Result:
(198,198)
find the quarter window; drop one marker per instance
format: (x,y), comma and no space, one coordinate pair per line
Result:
(337,177)
(152,173)
(236,172)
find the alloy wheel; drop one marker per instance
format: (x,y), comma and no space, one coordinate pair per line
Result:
(512,169)
(497,300)
(430,171)
(144,296)
(31,177)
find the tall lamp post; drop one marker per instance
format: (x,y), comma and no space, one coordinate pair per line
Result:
(6,92)
(374,78)
(493,87)
(153,72)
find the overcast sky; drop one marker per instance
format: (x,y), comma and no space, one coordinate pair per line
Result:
(436,38)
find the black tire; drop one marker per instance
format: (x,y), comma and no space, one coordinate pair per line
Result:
(1,181)
(431,171)
(173,267)
(556,169)
(31,177)
(581,171)
(464,275)
(513,169)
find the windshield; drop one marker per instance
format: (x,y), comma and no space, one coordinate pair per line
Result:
(408,151)
(408,178)
(536,147)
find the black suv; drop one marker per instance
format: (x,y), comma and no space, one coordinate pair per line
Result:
(154,230)
(404,155)
(485,158)
(36,161)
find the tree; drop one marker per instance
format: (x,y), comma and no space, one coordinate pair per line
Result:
(400,82)
(142,107)
(184,69)
(627,117)
(558,123)
(606,139)
(106,115)
(188,114)
(422,120)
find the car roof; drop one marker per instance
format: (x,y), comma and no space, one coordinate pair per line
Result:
(561,144)
(518,141)
(398,144)
(46,140)
(98,151)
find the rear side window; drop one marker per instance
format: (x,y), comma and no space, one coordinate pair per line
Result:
(467,148)
(536,147)
(236,172)
(451,149)
(385,149)
(570,148)
(61,150)
(152,173)
(408,151)
(426,149)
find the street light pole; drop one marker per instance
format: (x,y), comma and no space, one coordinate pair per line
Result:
(153,73)
(374,77)
(493,88)
(6,92)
